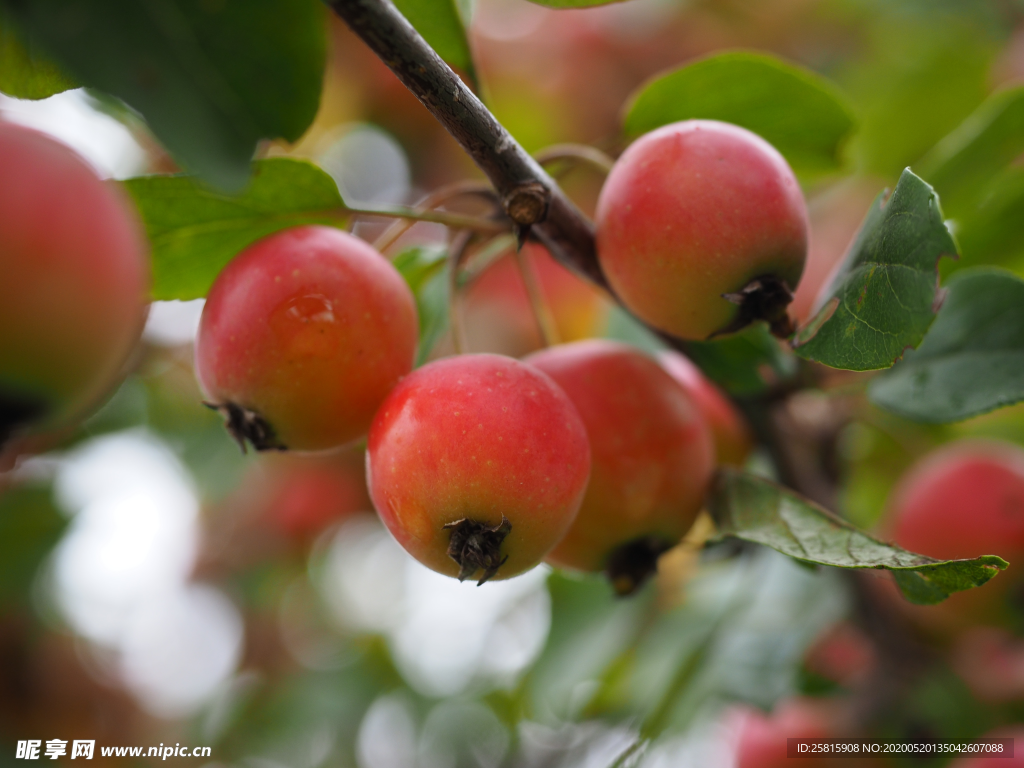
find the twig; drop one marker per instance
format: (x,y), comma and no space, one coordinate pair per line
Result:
(453,220)
(529,196)
(579,153)
(434,200)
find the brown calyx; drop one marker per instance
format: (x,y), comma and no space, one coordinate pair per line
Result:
(245,425)
(763,298)
(16,412)
(630,565)
(476,546)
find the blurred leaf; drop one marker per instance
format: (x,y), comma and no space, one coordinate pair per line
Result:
(743,363)
(25,71)
(195,230)
(918,77)
(425,270)
(883,298)
(211,78)
(754,509)
(30,526)
(590,629)
(961,166)
(993,231)
(800,113)
(442,26)
(972,359)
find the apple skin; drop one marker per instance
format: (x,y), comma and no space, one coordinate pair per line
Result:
(653,454)
(310,328)
(75,278)
(733,440)
(963,500)
(693,211)
(478,437)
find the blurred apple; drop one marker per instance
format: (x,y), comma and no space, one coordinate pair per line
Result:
(498,315)
(733,440)
(843,654)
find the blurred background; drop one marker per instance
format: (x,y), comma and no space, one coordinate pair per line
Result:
(158,586)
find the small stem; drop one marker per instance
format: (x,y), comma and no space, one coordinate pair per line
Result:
(434,200)
(459,248)
(453,220)
(541,311)
(576,153)
(637,746)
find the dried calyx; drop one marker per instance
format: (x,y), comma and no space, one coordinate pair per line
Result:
(248,426)
(17,412)
(630,565)
(476,546)
(763,298)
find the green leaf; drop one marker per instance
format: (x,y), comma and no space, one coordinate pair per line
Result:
(442,26)
(212,78)
(972,359)
(25,71)
(757,510)
(961,166)
(883,299)
(744,363)
(195,230)
(425,270)
(803,115)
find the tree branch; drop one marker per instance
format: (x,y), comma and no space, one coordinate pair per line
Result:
(531,198)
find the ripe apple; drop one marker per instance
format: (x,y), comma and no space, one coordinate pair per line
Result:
(701,229)
(75,274)
(477,464)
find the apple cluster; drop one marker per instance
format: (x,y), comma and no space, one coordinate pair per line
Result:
(591,455)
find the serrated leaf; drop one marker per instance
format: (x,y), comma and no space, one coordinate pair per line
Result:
(25,71)
(883,299)
(425,270)
(211,78)
(800,113)
(442,26)
(972,359)
(754,509)
(195,230)
(962,165)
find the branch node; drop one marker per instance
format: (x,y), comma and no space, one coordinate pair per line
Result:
(527,203)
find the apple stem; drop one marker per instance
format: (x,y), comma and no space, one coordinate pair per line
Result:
(449,219)
(456,256)
(576,154)
(764,298)
(539,306)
